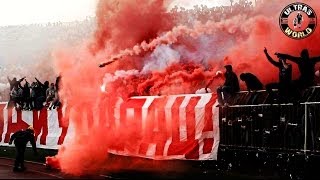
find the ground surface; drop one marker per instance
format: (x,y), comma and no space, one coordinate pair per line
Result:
(154,169)
(35,171)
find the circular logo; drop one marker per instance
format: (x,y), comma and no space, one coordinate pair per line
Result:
(298,20)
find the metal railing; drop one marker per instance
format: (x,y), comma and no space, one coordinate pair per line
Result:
(291,127)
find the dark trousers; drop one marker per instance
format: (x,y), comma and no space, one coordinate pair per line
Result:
(224,93)
(27,103)
(19,156)
(15,101)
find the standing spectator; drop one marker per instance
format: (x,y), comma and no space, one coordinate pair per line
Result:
(41,93)
(16,97)
(13,83)
(306,66)
(33,94)
(285,86)
(56,101)
(26,96)
(50,94)
(20,139)
(58,83)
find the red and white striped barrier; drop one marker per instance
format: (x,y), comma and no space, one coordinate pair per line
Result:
(172,127)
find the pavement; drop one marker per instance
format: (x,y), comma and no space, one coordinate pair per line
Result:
(154,170)
(36,171)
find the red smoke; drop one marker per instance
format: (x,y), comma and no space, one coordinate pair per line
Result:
(265,32)
(133,30)
(131,21)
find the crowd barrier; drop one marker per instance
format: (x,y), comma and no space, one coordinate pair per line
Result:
(167,127)
(251,122)
(181,126)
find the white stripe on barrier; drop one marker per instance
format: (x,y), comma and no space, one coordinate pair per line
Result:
(168,115)
(183,118)
(55,131)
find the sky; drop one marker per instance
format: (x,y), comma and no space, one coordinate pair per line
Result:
(17,12)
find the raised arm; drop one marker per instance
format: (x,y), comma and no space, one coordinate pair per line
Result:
(207,86)
(19,85)
(27,83)
(272,61)
(315,59)
(40,83)
(20,80)
(218,74)
(288,57)
(9,80)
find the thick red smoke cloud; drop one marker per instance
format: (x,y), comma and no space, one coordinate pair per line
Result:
(131,21)
(265,32)
(158,57)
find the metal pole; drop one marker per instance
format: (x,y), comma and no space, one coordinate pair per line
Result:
(305,127)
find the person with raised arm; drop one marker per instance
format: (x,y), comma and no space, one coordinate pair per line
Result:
(285,77)
(306,66)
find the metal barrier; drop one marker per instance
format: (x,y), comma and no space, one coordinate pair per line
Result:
(285,127)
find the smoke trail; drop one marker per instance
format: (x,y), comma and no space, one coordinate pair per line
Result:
(171,37)
(249,31)
(161,58)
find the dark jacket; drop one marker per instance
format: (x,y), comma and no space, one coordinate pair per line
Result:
(306,67)
(14,83)
(58,83)
(232,81)
(252,82)
(21,138)
(285,74)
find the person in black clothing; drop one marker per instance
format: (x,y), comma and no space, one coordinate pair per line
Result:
(14,83)
(41,90)
(284,86)
(16,97)
(34,94)
(26,96)
(306,67)
(21,138)
(230,86)
(58,83)
(252,82)
(56,101)
(44,86)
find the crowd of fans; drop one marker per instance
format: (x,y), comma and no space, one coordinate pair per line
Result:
(203,13)
(288,90)
(18,58)
(34,96)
